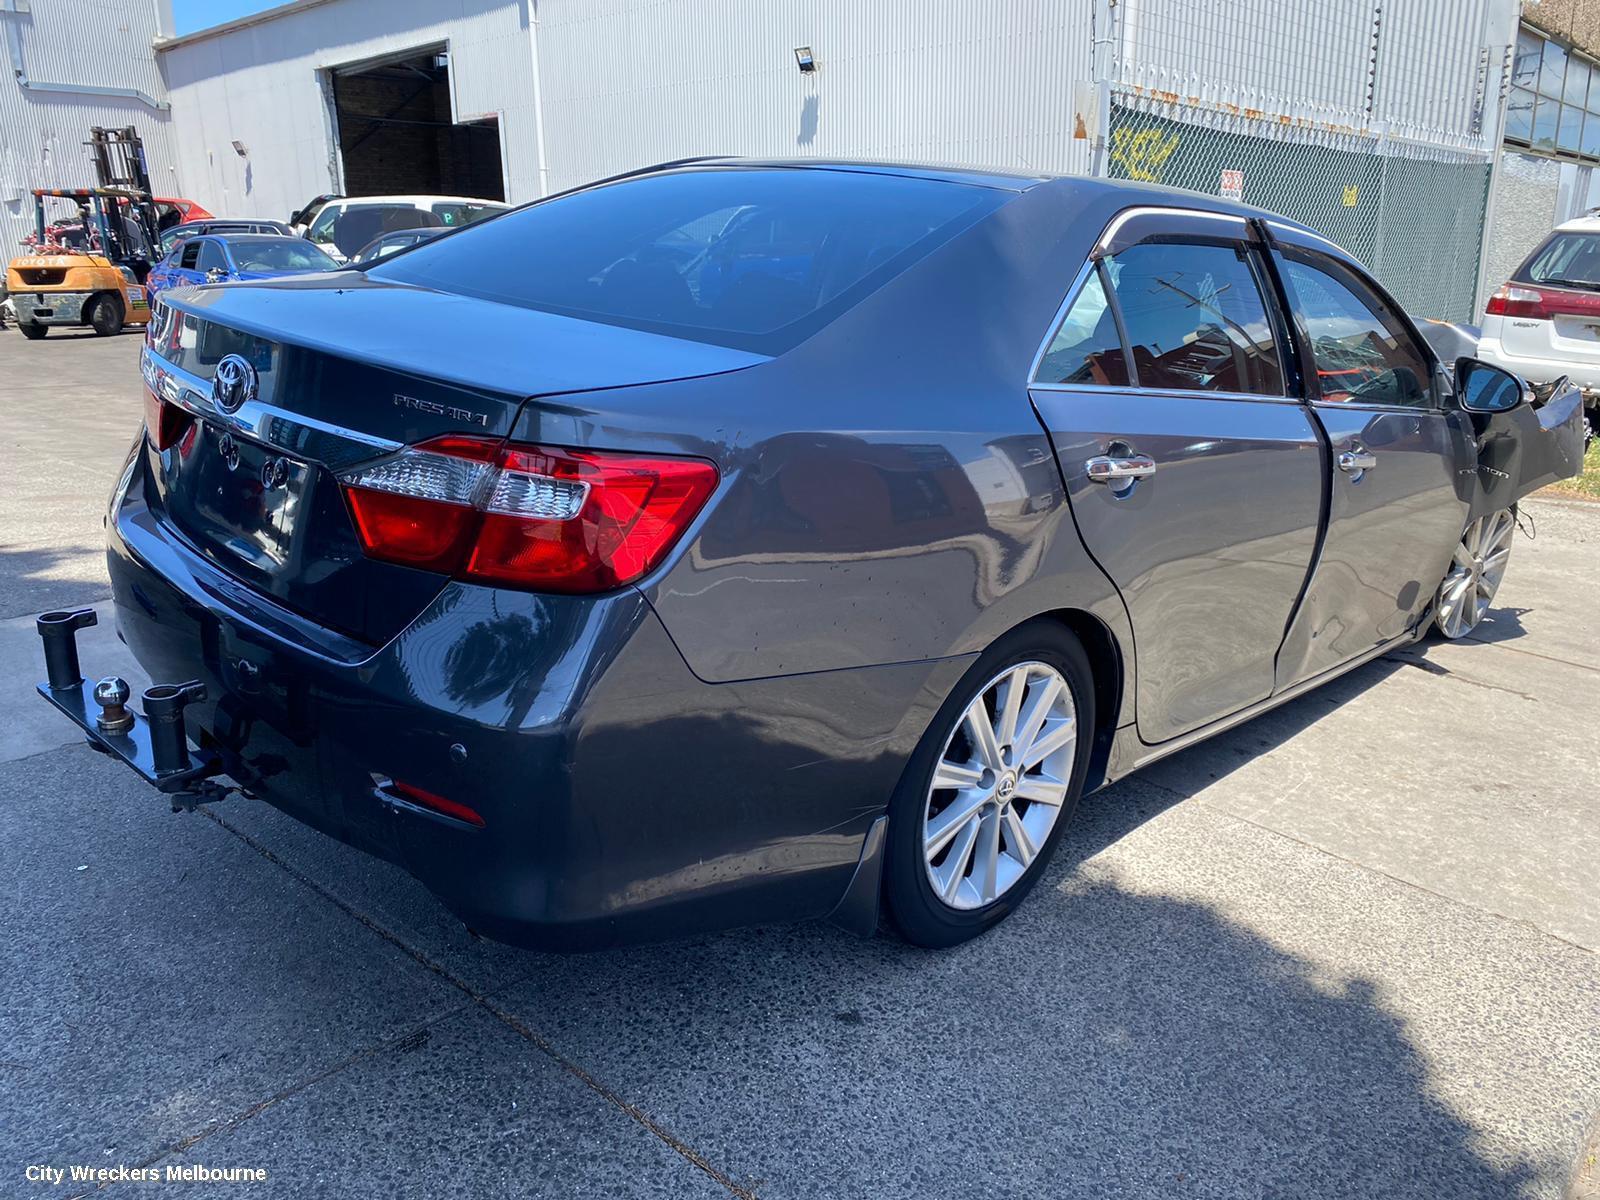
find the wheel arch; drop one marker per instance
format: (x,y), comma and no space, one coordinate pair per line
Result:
(1107,661)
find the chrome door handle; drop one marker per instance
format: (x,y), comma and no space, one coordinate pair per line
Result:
(1120,472)
(1354,462)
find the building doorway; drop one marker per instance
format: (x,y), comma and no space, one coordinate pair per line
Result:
(398,135)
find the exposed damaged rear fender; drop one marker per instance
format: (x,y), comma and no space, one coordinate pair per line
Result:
(1523,450)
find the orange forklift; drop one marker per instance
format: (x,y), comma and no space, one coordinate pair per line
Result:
(91,248)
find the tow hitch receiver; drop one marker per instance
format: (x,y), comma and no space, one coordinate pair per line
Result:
(153,742)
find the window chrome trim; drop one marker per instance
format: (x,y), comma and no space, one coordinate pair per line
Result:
(1109,234)
(1168,393)
(295,434)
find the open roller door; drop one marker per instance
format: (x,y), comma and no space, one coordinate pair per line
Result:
(398,136)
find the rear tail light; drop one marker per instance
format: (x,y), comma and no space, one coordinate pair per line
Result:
(1518,300)
(531,517)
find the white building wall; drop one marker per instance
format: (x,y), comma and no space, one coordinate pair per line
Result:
(260,83)
(626,83)
(43,130)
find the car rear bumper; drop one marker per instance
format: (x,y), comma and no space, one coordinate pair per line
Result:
(1542,370)
(623,799)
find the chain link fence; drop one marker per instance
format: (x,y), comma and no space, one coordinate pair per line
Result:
(1412,213)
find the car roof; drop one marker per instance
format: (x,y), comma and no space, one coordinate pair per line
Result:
(251,238)
(1003,178)
(1588,223)
(414,201)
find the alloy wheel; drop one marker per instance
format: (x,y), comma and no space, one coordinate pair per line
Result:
(999,785)
(1475,573)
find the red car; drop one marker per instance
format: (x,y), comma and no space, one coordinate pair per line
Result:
(185,210)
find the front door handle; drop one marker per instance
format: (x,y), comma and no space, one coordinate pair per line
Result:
(1357,460)
(1121,471)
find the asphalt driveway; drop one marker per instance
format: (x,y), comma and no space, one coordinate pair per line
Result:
(1347,950)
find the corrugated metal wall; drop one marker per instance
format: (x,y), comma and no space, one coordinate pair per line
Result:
(1413,67)
(261,85)
(42,133)
(630,82)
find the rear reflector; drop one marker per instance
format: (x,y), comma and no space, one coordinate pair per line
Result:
(1520,300)
(437,803)
(531,517)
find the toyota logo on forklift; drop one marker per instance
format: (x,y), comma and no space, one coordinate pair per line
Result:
(233,384)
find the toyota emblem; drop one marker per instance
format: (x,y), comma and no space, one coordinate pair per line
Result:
(233,384)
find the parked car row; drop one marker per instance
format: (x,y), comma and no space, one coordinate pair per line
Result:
(195,247)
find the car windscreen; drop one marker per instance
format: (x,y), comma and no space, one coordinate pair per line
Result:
(752,258)
(289,254)
(1565,260)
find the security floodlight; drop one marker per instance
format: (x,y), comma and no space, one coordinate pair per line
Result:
(802,57)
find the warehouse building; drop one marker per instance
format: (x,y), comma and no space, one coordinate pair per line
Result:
(74,67)
(1375,122)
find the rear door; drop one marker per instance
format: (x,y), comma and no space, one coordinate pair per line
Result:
(1195,475)
(1403,464)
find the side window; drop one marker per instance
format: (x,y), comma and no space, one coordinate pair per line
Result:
(1195,318)
(1087,347)
(321,230)
(191,255)
(1363,355)
(211,258)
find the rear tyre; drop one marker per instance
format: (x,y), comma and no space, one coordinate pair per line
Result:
(31,331)
(105,318)
(990,788)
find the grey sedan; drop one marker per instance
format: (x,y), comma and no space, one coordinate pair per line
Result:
(740,541)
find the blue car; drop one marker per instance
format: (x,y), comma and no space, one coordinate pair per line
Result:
(219,258)
(738,542)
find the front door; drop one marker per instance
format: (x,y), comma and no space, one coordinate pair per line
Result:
(1398,499)
(1195,480)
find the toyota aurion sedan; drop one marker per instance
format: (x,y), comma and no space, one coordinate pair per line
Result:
(736,542)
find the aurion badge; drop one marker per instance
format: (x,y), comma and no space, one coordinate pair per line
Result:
(233,384)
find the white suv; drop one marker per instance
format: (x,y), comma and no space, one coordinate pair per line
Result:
(343,225)
(1544,322)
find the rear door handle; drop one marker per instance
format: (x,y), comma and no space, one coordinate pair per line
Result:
(1120,472)
(1357,460)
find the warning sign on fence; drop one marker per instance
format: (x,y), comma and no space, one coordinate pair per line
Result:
(1231,185)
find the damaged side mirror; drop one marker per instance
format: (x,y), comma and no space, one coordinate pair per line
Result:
(1485,388)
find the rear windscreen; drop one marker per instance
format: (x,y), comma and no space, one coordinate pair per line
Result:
(1571,259)
(756,259)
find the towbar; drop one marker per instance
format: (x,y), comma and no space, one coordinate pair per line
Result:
(153,743)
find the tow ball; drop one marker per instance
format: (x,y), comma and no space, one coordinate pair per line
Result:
(154,742)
